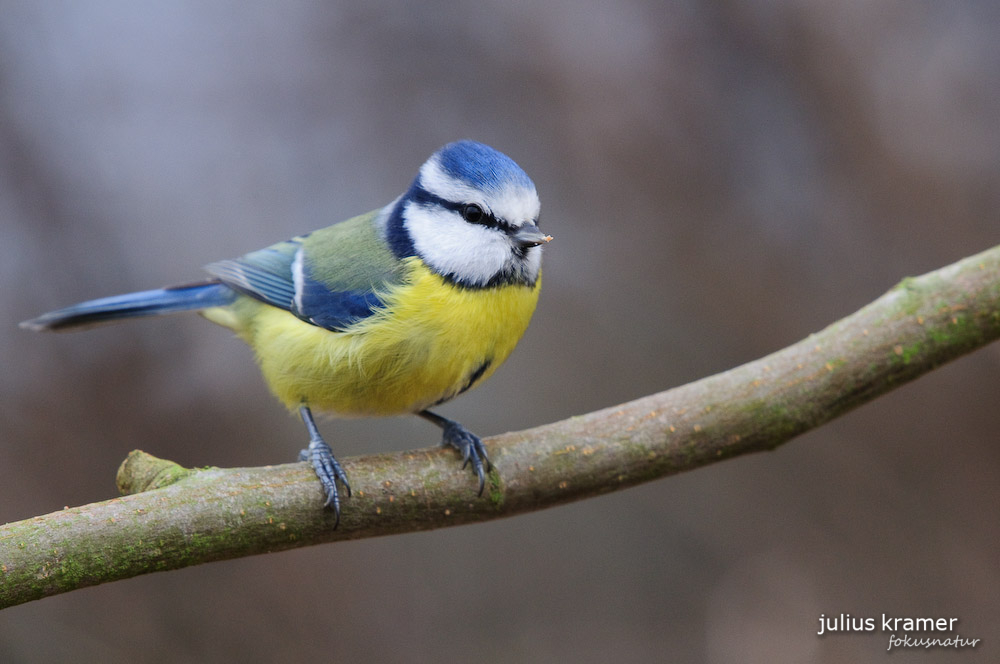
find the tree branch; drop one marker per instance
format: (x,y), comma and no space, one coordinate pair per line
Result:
(175,517)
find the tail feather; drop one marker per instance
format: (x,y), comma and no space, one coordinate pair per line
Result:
(135,305)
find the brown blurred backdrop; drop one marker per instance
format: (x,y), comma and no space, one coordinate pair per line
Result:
(721,178)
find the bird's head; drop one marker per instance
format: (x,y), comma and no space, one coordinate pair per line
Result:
(471,215)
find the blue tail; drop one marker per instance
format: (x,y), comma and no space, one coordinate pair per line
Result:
(135,305)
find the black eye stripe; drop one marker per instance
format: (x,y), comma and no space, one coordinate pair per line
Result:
(423,197)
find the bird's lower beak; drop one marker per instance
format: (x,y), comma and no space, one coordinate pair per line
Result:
(529,236)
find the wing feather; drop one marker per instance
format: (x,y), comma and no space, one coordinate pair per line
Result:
(331,278)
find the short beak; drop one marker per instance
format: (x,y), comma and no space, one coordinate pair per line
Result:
(529,236)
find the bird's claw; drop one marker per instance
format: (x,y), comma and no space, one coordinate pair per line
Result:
(329,472)
(471,449)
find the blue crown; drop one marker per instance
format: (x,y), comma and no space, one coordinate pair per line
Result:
(481,166)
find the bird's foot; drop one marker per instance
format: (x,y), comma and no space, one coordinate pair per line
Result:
(467,443)
(328,470)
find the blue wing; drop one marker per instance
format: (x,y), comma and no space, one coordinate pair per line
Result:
(265,275)
(331,278)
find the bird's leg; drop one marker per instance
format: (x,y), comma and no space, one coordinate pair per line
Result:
(466,442)
(327,469)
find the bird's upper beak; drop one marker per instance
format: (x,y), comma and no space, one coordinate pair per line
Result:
(529,236)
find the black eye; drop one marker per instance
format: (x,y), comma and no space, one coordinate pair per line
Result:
(473,214)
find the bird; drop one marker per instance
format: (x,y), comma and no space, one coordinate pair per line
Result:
(391,312)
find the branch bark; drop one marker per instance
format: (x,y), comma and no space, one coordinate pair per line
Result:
(173,517)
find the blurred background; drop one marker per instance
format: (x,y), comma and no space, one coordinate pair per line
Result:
(721,179)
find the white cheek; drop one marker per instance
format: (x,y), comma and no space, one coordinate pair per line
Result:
(533,262)
(450,245)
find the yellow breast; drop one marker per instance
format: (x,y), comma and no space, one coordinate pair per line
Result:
(432,341)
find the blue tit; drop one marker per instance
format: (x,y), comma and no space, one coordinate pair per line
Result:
(391,312)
